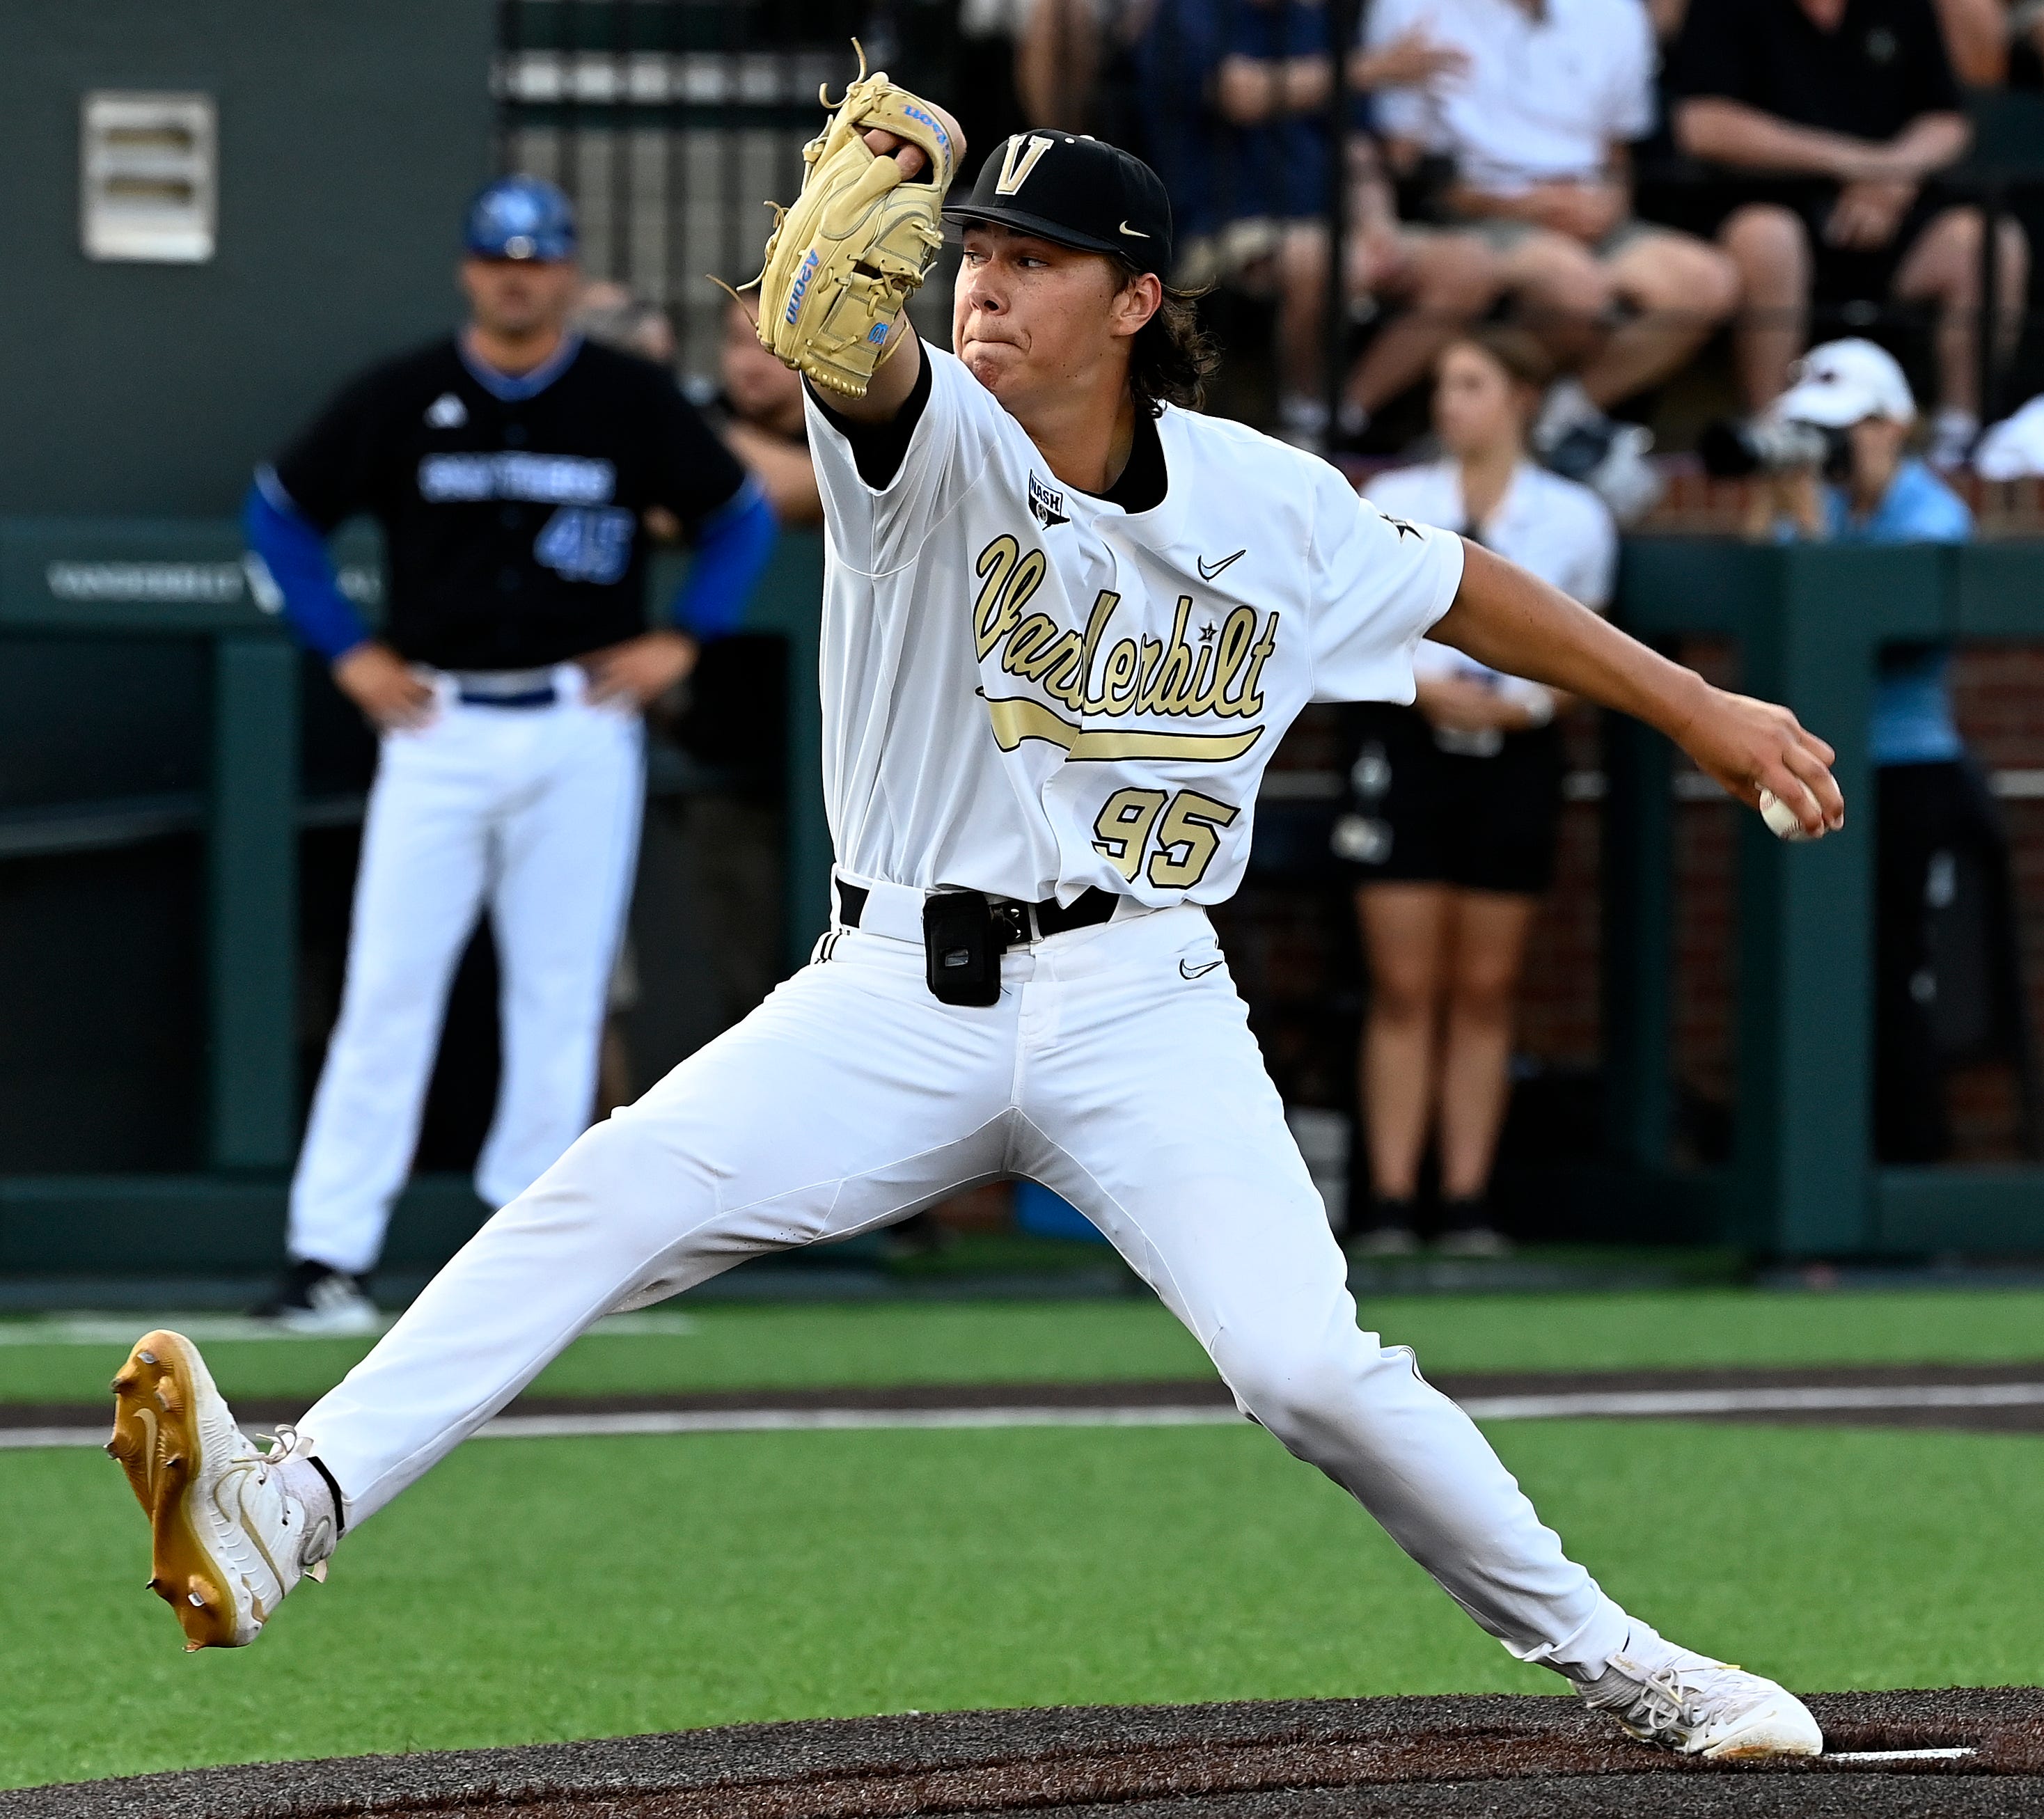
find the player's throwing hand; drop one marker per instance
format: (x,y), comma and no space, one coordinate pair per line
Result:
(1751,748)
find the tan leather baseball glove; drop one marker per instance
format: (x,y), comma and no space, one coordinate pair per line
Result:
(842,262)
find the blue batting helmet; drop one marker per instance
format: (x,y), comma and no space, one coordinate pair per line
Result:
(521,217)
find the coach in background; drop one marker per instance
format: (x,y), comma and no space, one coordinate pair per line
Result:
(512,467)
(1452,828)
(1947,987)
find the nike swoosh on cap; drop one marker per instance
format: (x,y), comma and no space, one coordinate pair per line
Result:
(1133,233)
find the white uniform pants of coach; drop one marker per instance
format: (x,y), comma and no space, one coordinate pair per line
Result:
(533,813)
(1118,1070)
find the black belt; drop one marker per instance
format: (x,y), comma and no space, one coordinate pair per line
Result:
(527,698)
(1088,909)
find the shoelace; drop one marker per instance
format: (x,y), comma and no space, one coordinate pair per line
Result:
(1671,1700)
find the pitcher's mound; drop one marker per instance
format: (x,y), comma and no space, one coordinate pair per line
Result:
(1953,1754)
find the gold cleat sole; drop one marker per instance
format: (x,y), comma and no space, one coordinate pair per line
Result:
(156,1441)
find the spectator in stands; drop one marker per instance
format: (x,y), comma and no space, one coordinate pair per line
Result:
(1840,113)
(1236,94)
(1451,832)
(1539,124)
(1947,985)
(1977,33)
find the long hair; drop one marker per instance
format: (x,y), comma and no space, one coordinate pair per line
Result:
(1173,355)
(1521,358)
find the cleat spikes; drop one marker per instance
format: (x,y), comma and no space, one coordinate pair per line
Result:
(197,1602)
(145,1357)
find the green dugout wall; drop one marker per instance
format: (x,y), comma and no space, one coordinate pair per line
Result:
(1809,621)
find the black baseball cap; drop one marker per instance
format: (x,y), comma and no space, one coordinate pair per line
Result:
(1078,191)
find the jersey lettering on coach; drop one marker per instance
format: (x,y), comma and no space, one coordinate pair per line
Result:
(1215,676)
(545,479)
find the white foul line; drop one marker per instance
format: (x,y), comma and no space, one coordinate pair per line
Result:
(1561,1406)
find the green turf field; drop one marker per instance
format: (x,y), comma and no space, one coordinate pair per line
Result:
(897,1342)
(537,1589)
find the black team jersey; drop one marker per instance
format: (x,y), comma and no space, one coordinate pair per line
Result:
(513,508)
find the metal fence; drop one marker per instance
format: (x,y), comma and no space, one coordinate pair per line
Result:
(671,122)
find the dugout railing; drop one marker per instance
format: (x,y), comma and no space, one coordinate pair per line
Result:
(185,581)
(1809,623)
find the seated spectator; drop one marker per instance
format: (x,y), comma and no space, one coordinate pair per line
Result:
(1839,114)
(1539,124)
(1943,916)
(756,405)
(1977,34)
(1452,828)
(1235,93)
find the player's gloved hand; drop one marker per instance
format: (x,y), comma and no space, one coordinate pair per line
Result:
(1747,746)
(383,686)
(641,670)
(842,261)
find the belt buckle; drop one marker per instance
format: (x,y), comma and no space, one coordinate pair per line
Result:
(1011,920)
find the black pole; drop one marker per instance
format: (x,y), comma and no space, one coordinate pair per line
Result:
(1987,331)
(509,72)
(1342,21)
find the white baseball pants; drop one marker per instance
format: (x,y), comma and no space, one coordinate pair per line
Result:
(1118,1070)
(533,813)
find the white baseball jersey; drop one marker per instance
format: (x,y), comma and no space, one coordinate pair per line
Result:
(1029,691)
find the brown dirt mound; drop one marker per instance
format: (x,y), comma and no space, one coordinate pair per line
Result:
(1517,1758)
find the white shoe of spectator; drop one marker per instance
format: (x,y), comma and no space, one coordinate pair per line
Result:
(2014,446)
(1567,406)
(1610,458)
(1952,434)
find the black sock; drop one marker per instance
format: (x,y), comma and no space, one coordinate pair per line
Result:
(1390,1214)
(339,1502)
(1465,1213)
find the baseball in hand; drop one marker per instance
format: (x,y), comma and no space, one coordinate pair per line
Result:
(1780,819)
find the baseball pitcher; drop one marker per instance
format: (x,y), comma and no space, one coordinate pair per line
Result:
(1066,620)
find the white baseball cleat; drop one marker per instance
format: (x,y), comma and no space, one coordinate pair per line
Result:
(229,1539)
(1676,1699)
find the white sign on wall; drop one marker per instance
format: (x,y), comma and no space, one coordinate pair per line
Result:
(149,176)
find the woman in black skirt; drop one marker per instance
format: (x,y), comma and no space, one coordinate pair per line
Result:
(1456,799)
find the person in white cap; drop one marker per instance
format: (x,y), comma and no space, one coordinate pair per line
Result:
(1942,865)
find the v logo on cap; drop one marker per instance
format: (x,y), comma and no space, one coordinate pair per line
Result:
(1022,157)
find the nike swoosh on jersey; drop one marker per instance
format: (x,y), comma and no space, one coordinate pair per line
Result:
(1185,972)
(1207,574)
